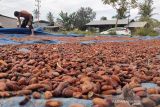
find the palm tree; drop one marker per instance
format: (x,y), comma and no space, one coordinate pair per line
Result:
(50,18)
(146,10)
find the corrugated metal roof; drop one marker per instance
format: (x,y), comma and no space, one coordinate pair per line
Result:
(7,16)
(137,24)
(8,22)
(109,22)
(42,21)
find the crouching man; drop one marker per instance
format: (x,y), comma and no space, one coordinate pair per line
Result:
(28,20)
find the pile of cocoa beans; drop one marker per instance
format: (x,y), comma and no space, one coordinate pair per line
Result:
(79,71)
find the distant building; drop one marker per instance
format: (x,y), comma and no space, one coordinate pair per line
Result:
(7,22)
(135,25)
(46,25)
(103,25)
(41,23)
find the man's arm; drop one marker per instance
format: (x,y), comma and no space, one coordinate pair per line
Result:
(19,21)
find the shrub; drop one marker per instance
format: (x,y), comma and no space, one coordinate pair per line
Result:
(112,33)
(76,31)
(145,32)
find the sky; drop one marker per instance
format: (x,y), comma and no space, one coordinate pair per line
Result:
(7,7)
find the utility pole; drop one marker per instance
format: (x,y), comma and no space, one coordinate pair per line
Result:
(38,8)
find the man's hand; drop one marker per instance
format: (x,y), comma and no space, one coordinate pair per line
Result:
(19,21)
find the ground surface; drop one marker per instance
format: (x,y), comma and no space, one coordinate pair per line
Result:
(81,70)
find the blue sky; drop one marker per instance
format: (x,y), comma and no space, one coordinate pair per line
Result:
(7,7)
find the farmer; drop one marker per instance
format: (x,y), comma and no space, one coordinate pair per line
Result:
(28,20)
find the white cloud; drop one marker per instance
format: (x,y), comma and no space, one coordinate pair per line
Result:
(7,7)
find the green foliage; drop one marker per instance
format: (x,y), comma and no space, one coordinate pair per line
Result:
(103,18)
(146,10)
(121,6)
(83,16)
(145,32)
(50,18)
(93,29)
(112,33)
(65,20)
(121,13)
(77,19)
(76,31)
(36,13)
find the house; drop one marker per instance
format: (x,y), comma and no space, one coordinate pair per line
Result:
(134,25)
(46,25)
(41,23)
(107,24)
(7,22)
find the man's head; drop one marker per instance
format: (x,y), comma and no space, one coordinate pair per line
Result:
(16,13)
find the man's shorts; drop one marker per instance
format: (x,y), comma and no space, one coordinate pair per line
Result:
(27,21)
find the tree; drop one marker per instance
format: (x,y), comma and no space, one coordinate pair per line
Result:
(146,10)
(119,4)
(84,16)
(65,20)
(37,10)
(35,13)
(76,19)
(103,18)
(121,13)
(50,18)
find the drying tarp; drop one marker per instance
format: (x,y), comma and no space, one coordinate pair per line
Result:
(15,31)
(14,102)
(6,41)
(38,31)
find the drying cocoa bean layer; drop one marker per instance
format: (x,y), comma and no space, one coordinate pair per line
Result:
(80,71)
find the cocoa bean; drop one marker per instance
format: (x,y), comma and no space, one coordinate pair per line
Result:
(53,103)
(22,81)
(67,92)
(12,86)
(148,102)
(23,92)
(3,75)
(48,95)
(4,94)
(59,89)
(3,86)
(37,86)
(100,102)
(25,101)
(36,95)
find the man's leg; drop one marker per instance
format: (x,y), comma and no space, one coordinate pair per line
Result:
(30,26)
(24,23)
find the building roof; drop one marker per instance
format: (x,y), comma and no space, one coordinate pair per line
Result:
(137,24)
(42,21)
(109,22)
(8,22)
(7,16)
(52,27)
